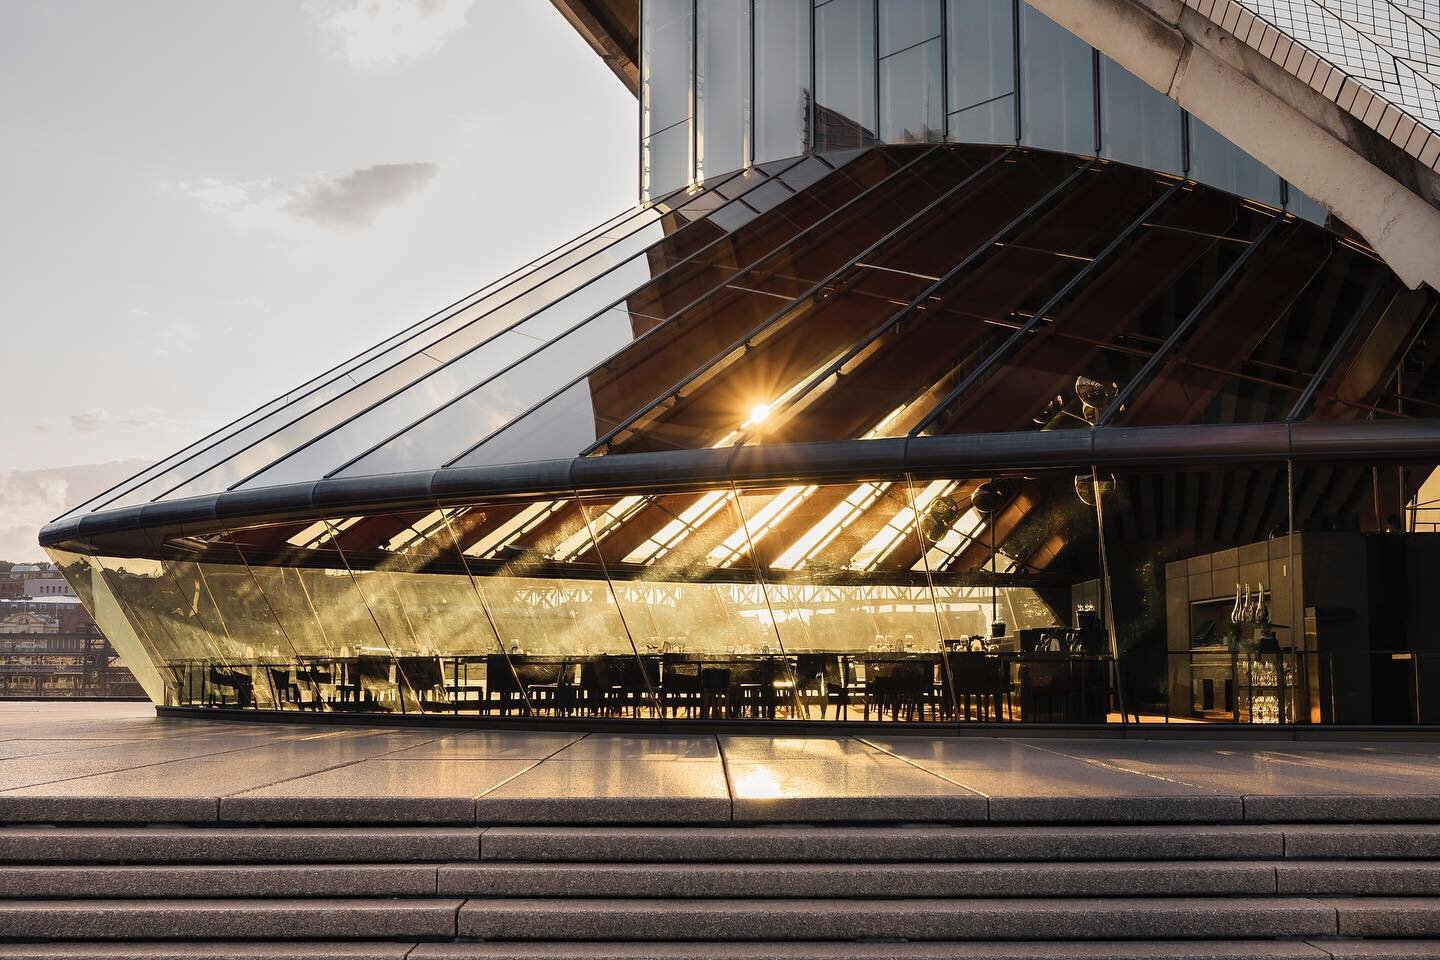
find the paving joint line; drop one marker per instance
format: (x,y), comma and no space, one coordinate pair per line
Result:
(725,772)
(1117,768)
(475,801)
(934,773)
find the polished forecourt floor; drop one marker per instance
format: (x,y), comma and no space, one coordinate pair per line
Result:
(119,762)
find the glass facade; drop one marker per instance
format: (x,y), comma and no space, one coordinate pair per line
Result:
(1263,593)
(909,71)
(949,374)
(811,455)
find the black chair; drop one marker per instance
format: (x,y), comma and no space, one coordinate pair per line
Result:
(975,680)
(376,678)
(541,682)
(820,678)
(1049,691)
(753,692)
(502,687)
(425,682)
(241,687)
(285,689)
(680,687)
(902,688)
(714,693)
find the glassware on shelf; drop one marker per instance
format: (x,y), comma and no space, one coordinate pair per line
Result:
(1239,607)
(1247,613)
(1262,607)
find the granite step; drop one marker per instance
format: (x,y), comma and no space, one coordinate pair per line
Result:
(938,950)
(212,950)
(915,919)
(883,844)
(168,844)
(152,881)
(242,919)
(720,880)
(1073,950)
(933,950)
(864,880)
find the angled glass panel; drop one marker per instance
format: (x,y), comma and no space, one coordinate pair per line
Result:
(782,78)
(515,547)
(687,344)
(1057,84)
(708,272)
(667,160)
(1304,207)
(342,376)
(981,66)
(387,371)
(668,34)
(1388,366)
(906,23)
(681,570)
(861,631)
(492,401)
(844,74)
(545,590)
(722,86)
(1062,370)
(1139,124)
(1219,163)
(760,392)
(417,385)
(1252,357)
(1014,564)
(86,576)
(884,383)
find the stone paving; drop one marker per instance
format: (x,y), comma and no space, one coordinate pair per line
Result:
(119,762)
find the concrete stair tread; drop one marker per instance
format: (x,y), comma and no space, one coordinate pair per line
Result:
(914,919)
(211,950)
(248,919)
(798,950)
(180,844)
(932,950)
(881,880)
(897,843)
(151,881)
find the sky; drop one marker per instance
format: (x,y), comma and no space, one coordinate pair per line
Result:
(204,203)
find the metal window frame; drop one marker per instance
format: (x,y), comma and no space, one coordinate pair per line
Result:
(1201,308)
(1025,329)
(899,316)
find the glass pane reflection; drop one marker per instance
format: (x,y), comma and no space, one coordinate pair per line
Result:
(782,78)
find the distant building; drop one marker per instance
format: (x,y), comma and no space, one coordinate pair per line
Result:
(41,587)
(29,623)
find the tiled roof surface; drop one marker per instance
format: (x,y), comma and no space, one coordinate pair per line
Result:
(1377,59)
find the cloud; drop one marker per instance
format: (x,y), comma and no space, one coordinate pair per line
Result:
(375,34)
(347,202)
(351,202)
(30,498)
(92,421)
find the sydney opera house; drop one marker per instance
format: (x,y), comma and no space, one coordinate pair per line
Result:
(962,363)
